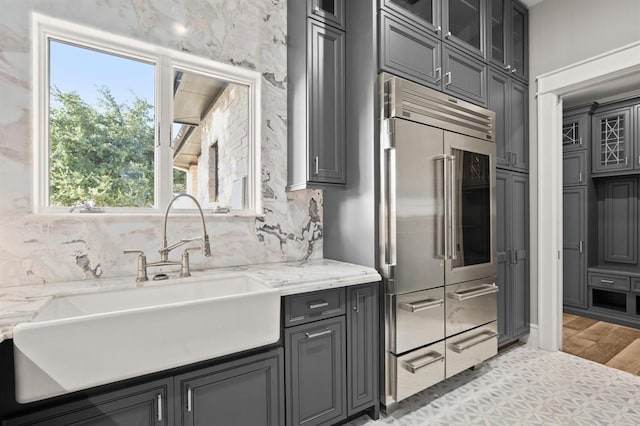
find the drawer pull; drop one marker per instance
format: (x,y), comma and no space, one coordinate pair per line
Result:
(317,305)
(472,341)
(414,365)
(159,415)
(607,281)
(189,399)
(422,305)
(483,290)
(318,334)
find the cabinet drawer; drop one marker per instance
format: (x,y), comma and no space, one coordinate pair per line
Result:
(473,347)
(609,281)
(307,307)
(418,317)
(417,370)
(635,285)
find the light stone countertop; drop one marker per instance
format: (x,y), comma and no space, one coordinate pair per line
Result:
(22,303)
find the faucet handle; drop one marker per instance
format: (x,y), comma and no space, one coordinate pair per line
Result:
(185,269)
(141,275)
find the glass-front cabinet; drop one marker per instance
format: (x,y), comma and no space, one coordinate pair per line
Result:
(507,36)
(612,145)
(464,23)
(422,13)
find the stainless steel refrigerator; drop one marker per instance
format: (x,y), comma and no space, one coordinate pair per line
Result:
(437,236)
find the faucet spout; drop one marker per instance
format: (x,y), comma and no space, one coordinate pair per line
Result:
(165,249)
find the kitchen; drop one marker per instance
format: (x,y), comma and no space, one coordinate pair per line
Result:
(54,248)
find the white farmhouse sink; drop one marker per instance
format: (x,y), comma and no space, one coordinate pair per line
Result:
(81,341)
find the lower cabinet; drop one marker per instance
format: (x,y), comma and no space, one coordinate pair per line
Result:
(244,392)
(331,364)
(247,391)
(148,404)
(574,238)
(316,365)
(327,371)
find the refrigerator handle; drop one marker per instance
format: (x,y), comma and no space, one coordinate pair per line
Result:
(452,208)
(445,203)
(390,206)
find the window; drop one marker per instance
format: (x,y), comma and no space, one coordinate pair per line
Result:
(124,125)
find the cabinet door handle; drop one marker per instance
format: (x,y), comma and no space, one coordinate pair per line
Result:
(514,158)
(316,10)
(438,29)
(438,74)
(318,304)
(189,399)
(638,159)
(507,68)
(626,161)
(159,407)
(447,35)
(513,70)
(448,75)
(318,334)
(316,165)
(580,177)
(580,141)
(357,306)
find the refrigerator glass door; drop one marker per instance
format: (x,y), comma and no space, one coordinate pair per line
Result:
(471,208)
(413,192)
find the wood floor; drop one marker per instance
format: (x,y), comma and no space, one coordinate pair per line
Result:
(609,344)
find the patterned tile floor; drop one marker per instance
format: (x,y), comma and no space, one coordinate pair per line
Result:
(525,386)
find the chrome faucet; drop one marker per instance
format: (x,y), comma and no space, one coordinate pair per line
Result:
(166,249)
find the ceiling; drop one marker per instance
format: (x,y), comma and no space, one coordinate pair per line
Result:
(625,87)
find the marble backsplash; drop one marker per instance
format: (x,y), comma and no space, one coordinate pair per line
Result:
(45,249)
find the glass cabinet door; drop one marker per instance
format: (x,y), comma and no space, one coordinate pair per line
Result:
(330,12)
(497,52)
(518,42)
(464,24)
(423,13)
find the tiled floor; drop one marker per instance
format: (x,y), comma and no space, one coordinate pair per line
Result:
(525,386)
(602,342)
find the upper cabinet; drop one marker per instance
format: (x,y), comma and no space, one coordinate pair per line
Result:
(421,13)
(330,12)
(612,141)
(507,35)
(316,99)
(464,24)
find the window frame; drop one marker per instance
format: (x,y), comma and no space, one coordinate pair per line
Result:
(45,28)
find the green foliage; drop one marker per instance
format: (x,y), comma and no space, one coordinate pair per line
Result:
(104,152)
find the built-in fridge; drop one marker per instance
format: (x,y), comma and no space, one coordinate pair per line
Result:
(437,241)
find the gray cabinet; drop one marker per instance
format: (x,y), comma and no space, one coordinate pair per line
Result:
(509,100)
(574,168)
(316,101)
(463,24)
(243,392)
(576,132)
(617,215)
(315,366)
(148,404)
(512,217)
(574,239)
(464,76)
(420,13)
(362,348)
(409,52)
(330,12)
(507,35)
(612,141)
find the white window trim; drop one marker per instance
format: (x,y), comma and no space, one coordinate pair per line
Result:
(165,59)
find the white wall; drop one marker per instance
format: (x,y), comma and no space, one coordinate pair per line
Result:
(563,32)
(246,33)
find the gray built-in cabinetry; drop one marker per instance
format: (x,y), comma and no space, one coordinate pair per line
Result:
(316,102)
(512,243)
(601,188)
(327,371)
(331,352)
